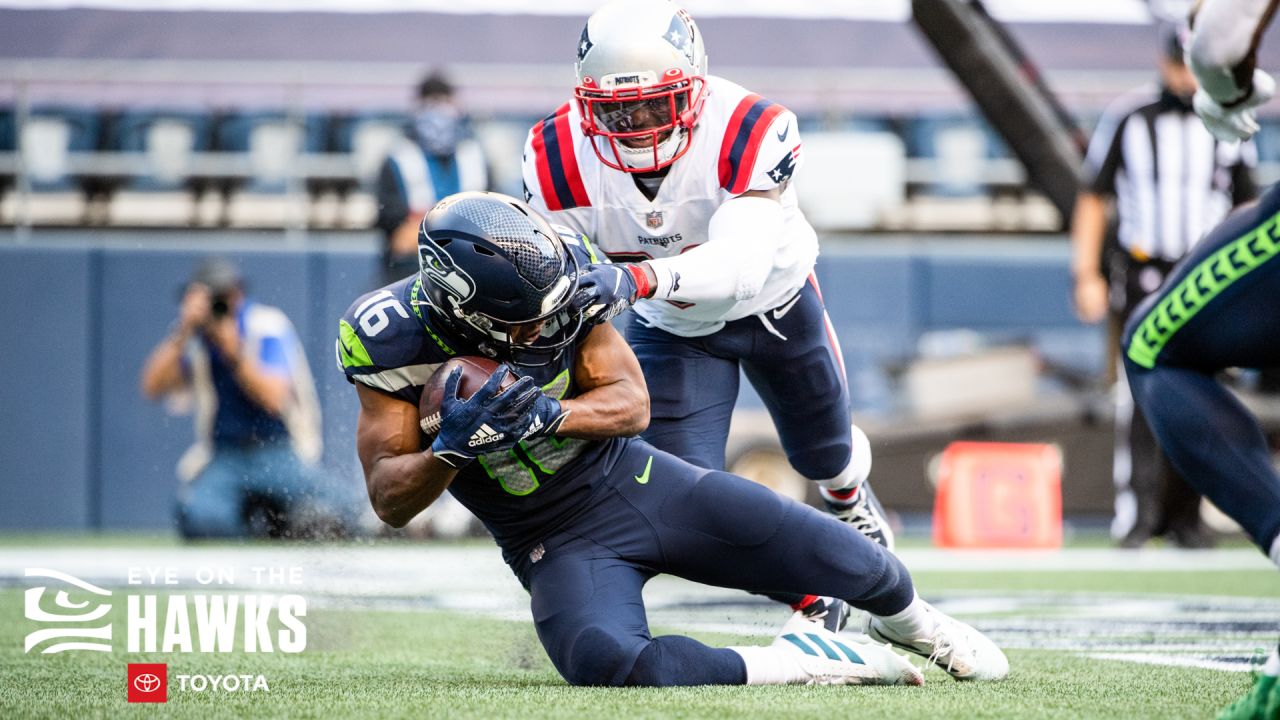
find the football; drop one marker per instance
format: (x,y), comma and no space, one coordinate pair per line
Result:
(475,371)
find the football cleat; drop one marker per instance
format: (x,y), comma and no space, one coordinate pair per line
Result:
(832,613)
(962,651)
(1261,703)
(863,511)
(826,659)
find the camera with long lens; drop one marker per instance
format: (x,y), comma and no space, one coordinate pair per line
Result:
(219,306)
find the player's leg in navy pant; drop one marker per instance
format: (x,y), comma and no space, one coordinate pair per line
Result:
(1218,310)
(709,527)
(720,529)
(590,616)
(693,386)
(796,368)
(692,391)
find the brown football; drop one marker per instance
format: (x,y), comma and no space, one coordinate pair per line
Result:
(475,371)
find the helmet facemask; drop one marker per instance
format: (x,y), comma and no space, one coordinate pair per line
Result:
(641,128)
(641,83)
(559,326)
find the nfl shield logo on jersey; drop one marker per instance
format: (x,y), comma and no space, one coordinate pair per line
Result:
(654,219)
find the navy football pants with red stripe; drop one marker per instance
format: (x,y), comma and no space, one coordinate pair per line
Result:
(789,356)
(707,526)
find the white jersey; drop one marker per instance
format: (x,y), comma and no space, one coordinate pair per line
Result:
(741,142)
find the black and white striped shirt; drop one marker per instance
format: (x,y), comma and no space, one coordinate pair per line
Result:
(1171,179)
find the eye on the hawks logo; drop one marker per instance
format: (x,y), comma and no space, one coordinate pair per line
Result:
(81,616)
(148,683)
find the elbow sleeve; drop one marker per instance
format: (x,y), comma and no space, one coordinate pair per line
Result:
(734,262)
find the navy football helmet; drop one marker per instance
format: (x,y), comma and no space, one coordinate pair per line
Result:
(490,264)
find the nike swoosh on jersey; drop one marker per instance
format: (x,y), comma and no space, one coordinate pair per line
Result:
(643,477)
(782,136)
(778,312)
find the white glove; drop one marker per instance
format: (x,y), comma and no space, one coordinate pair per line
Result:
(1238,122)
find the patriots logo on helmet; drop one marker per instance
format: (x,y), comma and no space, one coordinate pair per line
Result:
(679,34)
(584,45)
(439,268)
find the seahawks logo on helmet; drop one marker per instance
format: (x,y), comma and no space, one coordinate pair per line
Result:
(438,268)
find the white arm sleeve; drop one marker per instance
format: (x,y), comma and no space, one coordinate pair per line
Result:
(1222,43)
(735,260)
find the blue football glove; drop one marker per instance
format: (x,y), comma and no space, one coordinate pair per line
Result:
(605,290)
(490,421)
(545,417)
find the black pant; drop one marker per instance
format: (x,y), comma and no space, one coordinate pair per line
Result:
(1164,503)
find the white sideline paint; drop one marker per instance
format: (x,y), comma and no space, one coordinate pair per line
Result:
(1213,632)
(1173,661)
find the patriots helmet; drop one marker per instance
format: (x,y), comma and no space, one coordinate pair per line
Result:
(641,83)
(496,275)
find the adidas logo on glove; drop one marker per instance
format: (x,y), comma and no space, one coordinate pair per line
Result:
(484,435)
(534,427)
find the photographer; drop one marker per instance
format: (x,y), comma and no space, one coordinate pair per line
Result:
(256,414)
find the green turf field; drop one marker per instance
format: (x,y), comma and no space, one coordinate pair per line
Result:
(428,663)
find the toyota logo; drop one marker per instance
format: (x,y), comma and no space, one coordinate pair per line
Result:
(146,682)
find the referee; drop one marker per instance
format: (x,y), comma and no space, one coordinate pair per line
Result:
(1170,181)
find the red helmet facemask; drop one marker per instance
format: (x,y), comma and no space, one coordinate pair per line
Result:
(636,121)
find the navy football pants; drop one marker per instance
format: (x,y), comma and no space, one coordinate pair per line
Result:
(1219,309)
(797,370)
(707,526)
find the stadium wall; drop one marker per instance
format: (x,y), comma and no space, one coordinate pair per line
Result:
(81,449)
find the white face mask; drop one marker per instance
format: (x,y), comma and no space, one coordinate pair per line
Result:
(438,129)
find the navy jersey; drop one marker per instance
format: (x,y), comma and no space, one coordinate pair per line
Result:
(388,341)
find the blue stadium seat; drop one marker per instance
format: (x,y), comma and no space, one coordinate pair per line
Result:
(272,141)
(48,136)
(367,138)
(168,138)
(8,141)
(958,145)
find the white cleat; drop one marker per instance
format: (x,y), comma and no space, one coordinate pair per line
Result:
(954,646)
(828,659)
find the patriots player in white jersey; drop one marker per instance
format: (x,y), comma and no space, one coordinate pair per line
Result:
(684,180)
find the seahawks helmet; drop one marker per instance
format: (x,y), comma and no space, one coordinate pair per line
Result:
(488,263)
(641,83)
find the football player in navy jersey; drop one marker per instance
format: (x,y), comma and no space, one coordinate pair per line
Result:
(1217,310)
(583,511)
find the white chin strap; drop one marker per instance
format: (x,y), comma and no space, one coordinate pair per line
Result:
(644,157)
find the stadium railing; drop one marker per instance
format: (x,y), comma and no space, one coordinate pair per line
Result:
(275,145)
